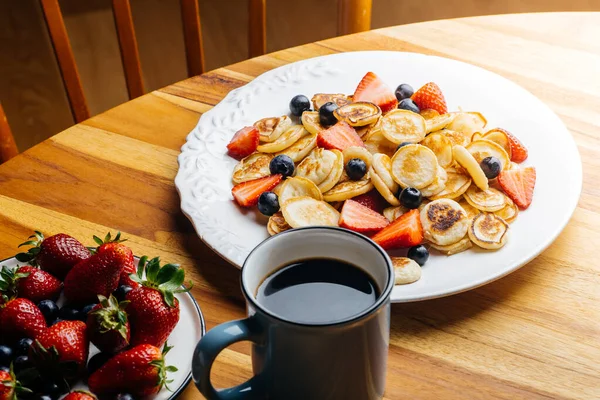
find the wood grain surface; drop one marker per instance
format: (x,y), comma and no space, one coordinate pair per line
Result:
(534,334)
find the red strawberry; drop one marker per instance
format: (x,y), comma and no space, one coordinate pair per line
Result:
(107,325)
(56,254)
(63,348)
(10,387)
(140,371)
(430,96)
(244,142)
(246,194)
(518,184)
(372,89)
(30,283)
(518,151)
(20,318)
(96,275)
(339,136)
(80,395)
(373,200)
(406,231)
(153,309)
(122,253)
(362,219)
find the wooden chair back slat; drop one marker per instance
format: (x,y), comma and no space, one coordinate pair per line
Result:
(354,16)
(129,48)
(8,147)
(192,34)
(66,60)
(257,27)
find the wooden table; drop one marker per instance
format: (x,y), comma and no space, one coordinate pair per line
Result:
(533,334)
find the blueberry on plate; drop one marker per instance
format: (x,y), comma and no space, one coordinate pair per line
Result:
(122,291)
(44,397)
(21,363)
(50,388)
(408,104)
(68,313)
(356,169)
(268,203)
(97,361)
(326,116)
(418,253)
(6,355)
(83,314)
(283,165)
(299,104)
(402,145)
(410,197)
(491,167)
(404,91)
(22,347)
(49,310)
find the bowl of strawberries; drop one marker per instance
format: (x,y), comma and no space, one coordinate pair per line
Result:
(82,323)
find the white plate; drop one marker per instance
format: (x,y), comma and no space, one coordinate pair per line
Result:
(204,177)
(184,338)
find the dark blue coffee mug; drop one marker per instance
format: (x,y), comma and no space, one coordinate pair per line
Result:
(343,360)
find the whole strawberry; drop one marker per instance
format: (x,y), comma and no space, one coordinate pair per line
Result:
(140,371)
(107,324)
(10,387)
(20,318)
(30,283)
(56,254)
(62,349)
(153,309)
(122,252)
(80,395)
(97,275)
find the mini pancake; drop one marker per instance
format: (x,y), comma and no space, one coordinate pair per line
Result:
(444,222)
(255,166)
(406,270)
(306,211)
(488,231)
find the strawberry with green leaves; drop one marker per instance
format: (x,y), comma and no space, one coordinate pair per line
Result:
(153,309)
(122,253)
(20,318)
(29,282)
(56,254)
(10,387)
(140,371)
(108,325)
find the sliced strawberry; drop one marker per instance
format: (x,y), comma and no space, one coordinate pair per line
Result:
(430,96)
(359,218)
(406,231)
(244,142)
(339,136)
(246,194)
(373,200)
(372,89)
(518,151)
(518,184)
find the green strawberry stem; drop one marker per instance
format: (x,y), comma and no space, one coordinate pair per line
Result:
(168,279)
(9,277)
(109,239)
(15,384)
(163,369)
(112,316)
(30,256)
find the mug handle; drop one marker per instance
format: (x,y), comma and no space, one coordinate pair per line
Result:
(209,347)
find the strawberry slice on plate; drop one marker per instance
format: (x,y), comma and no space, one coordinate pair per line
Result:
(244,142)
(430,96)
(406,231)
(246,194)
(362,219)
(518,151)
(518,184)
(372,89)
(340,136)
(373,200)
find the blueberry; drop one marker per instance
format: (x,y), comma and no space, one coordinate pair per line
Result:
(122,291)
(97,361)
(356,169)
(21,363)
(22,347)
(418,253)
(68,313)
(56,321)
(402,145)
(410,198)
(124,396)
(491,167)
(404,91)
(268,203)
(408,104)
(299,104)
(44,397)
(326,116)
(83,314)
(283,165)
(6,355)
(49,310)
(50,388)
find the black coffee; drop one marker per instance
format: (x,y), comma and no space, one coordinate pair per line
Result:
(317,291)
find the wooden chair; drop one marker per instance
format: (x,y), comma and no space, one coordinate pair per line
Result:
(354,16)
